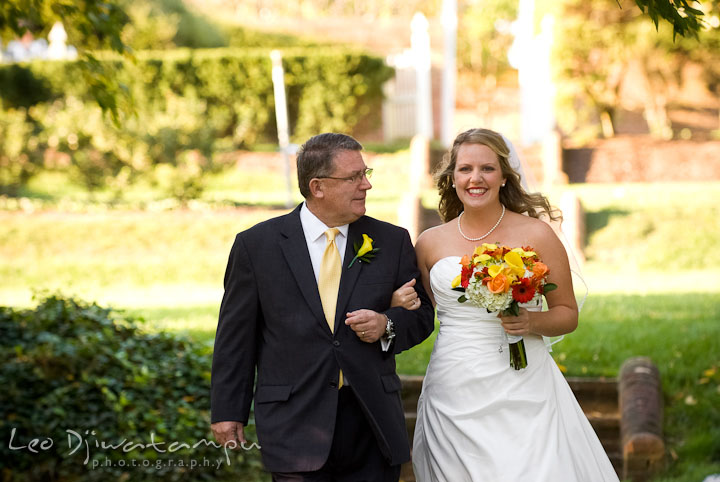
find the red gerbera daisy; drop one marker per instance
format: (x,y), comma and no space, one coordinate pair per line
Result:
(523,291)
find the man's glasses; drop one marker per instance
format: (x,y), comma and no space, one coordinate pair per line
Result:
(354,179)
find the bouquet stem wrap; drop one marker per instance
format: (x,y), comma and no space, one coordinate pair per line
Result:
(518,357)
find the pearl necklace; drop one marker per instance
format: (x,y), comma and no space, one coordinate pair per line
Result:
(484,235)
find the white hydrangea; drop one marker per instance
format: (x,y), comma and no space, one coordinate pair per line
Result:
(481,296)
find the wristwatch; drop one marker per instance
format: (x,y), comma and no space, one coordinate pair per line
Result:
(389,329)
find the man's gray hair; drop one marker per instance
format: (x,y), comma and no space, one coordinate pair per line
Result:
(315,157)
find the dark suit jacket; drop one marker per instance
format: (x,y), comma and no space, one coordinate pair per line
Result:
(272,323)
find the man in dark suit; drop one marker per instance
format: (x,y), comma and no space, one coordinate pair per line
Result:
(318,329)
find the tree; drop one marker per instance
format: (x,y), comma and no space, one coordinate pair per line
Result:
(686,20)
(99,24)
(91,25)
(597,44)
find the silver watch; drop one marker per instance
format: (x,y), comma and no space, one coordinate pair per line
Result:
(389,329)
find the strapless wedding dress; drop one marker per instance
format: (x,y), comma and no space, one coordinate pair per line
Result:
(478,419)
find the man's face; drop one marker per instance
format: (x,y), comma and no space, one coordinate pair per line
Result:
(343,200)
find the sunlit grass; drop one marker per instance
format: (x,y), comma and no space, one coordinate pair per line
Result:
(115,252)
(197,321)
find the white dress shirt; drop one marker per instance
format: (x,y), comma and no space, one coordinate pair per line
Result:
(314,231)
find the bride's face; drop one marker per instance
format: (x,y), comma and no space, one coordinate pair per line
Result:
(477,175)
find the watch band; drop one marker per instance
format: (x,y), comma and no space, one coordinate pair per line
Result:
(389,329)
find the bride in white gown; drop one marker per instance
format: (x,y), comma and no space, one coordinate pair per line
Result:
(478,418)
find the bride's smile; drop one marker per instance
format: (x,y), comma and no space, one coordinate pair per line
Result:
(478,175)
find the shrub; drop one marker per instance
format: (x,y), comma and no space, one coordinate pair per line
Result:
(186,101)
(21,149)
(21,88)
(70,368)
(164,24)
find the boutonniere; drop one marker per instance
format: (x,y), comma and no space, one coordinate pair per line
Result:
(364,251)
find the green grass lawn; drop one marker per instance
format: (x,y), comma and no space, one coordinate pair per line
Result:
(652,265)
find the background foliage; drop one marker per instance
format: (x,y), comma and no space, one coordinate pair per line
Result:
(70,365)
(597,44)
(191,106)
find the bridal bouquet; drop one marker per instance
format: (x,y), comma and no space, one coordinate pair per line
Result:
(499,278)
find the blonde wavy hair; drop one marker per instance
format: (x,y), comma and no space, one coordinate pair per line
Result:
(513,196)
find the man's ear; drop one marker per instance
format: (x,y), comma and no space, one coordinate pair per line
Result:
(316,188)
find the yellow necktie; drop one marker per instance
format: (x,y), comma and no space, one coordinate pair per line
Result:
(329,281)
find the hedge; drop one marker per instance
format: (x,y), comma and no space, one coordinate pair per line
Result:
(186,101)
(84,382)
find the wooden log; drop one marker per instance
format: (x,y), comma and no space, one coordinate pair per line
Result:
(641,415)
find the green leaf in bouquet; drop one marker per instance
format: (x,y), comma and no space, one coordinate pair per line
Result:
(549,287)
(512,310)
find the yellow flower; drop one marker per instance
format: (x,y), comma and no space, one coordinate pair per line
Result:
(515,263)
(365,251)
(489,247)
(482,258)
(366,246)
(523,253)
(456,281)
(495,270)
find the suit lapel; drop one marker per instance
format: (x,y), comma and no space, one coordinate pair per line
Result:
(349,276)
(296,254)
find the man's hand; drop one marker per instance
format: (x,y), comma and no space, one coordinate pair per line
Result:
(368,325)
(227,432)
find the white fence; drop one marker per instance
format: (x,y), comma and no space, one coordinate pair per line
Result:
(399,110)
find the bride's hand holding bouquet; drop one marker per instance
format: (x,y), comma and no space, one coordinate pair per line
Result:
(500,278)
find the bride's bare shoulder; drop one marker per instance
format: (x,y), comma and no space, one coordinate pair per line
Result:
(535,232)
(433,236)
(528,223)
(432,243)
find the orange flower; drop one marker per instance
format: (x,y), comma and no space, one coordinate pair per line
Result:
(540,269)
(499,284)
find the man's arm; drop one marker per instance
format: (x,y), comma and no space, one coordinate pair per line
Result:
(235,350)
(411,327)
